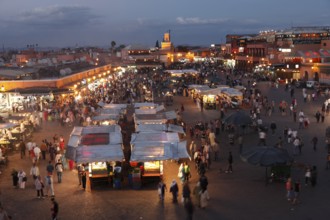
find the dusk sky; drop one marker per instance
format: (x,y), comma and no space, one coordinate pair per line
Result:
(64,23)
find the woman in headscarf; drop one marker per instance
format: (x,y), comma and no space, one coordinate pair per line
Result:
(174,189)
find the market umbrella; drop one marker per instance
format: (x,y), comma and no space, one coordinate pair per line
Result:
(239,118)
(267,157)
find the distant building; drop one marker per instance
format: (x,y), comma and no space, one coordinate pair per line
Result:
(299,49)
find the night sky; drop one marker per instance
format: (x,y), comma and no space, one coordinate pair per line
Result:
(62,23)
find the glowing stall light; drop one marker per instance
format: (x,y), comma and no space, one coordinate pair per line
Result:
(78,97)
(120,73)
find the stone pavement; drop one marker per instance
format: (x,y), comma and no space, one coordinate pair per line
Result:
(241,195)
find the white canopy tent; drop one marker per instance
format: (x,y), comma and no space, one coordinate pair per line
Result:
(141,111)
(157,146)
(95,144)
(145,104)
(111,111)
(159,118)
(153,151)
(162,137)
(115,106)
(159,127)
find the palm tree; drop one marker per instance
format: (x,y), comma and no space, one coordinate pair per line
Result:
(113,44)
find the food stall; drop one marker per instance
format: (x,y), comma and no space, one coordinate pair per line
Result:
(100,147)
(7,140)
(159,118)
(153,148)
(115,106)
(145,105)
(194,90)
(142,111)
(111,111)
(231,96)
(105,119)
(159,128)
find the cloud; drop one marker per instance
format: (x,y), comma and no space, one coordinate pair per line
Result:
(199,21)
(60,16)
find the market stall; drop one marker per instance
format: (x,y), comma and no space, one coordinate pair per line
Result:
(142,111)
(159,118)
(7,140)
(98,146)
(232,96)
(194,90)
(105,119)
(115,106)
(111,111)
(145,105)
(153,148)
(159,128)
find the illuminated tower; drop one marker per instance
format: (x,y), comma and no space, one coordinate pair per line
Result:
(166,44)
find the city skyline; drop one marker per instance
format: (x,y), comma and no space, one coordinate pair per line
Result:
(97,23)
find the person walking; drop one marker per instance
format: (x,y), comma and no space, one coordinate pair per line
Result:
(49,185)
(39,187)
(43,148)
(174,189)
(80,169)
(196,194)
(186,193)
(22,148)
(314,176)
(21,179)
(289,188)
(59,170)
(14,175)
(230,163)
(204,196)
(262,138)
(161,190)
(34,171)
(50,168)
(203,182)
(189,207)
(83,179)
(273,127)
(296,193)
(240,143)
(308,175)
(54,209)
(186,171)
(36,151)
(314,142)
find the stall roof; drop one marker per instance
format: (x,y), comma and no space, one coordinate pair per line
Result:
(197,86)
(161,137)
(183,71)
(232,91)
(152,151)
(214,91)
(161,116)
(7,125)
(111,111)
(113,133)
(149,111)
(145,104)
(95,144)
(115,106)
(103,117)
(160,128)
(99,153)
